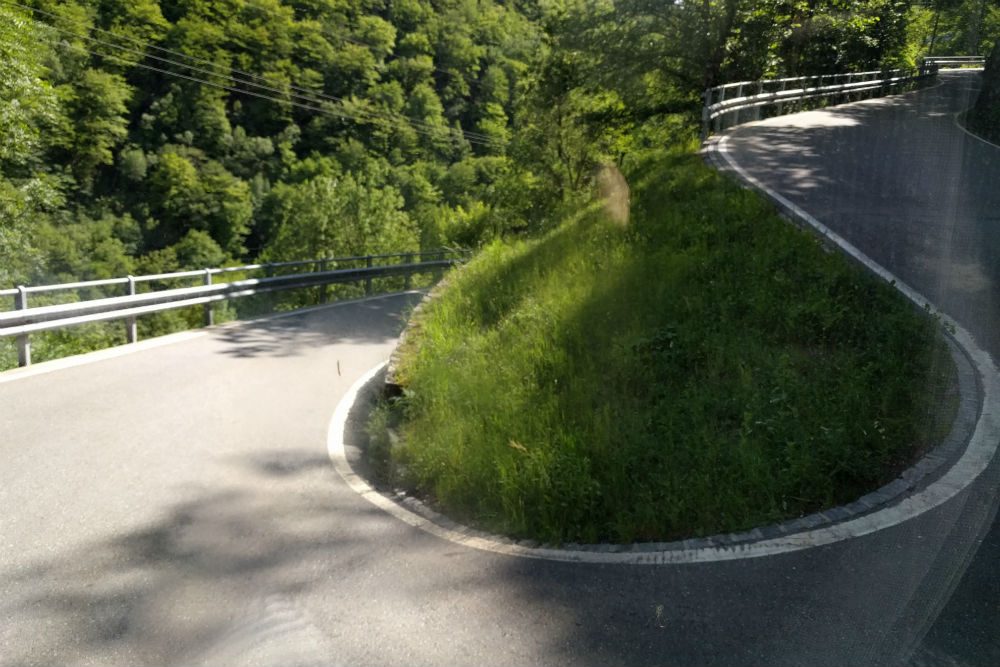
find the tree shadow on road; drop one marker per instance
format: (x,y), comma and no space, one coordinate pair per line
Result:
(292,568)
(212,581)
(376,321)
(897,179)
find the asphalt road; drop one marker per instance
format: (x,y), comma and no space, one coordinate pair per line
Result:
(176,506)
(899,180)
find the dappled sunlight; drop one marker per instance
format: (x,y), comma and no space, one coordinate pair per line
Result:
(932,216)
(810,120)
(185,586)
(292,334)
(965,276)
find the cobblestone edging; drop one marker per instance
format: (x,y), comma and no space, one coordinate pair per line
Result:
(940,474)
(929,468)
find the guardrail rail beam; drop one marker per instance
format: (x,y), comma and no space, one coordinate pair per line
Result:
(21,322)
(778,92)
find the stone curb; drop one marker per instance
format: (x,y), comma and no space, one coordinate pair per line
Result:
(937,477)
(926,470)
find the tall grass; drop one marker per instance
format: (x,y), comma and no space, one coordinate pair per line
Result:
(707,368)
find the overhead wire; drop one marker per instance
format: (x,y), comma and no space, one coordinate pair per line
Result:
(309,96)
(360,114)
(359,42)
(312,98)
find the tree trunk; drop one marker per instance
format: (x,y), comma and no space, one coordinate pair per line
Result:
(934,31)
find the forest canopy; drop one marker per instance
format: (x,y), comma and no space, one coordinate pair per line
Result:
(148,136)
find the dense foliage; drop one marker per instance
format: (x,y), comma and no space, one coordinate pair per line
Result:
(150,135)
(145,136)
(954,27)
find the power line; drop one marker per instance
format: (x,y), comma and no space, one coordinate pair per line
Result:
(307,107)
(365,115)
(473,137)
(359,42)
(361,114)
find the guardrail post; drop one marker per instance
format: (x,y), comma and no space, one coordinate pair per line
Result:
(131,330)
(705,114)
(719,119)
(781,105)
(760,91)
(324,289)
(738,113)
(368,280)
(23,342)
(209,315)
(408,259)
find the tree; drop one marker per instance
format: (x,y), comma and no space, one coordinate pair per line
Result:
(97,104)
(330,216)
(205,197)
(28,108)
(566,125)
(984,117)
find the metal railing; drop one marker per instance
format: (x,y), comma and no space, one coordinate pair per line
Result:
(724,104)
(954,61)
(25,320)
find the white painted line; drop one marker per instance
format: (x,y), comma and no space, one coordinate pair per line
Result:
(978,454)
(44,367)
(959,125)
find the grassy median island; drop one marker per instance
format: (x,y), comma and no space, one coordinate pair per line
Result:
(706,368)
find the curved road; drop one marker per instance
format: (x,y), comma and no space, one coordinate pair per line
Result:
(175,505)
(898,179)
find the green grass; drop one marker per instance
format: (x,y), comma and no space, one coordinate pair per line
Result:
(708,368)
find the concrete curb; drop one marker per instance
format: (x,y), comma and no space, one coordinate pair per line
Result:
(918,489)
(940,475)
(936,478)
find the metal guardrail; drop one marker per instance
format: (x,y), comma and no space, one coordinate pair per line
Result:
(728,100)
(954,61)
(24,320)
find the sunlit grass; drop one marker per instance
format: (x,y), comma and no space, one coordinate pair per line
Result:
(708,368)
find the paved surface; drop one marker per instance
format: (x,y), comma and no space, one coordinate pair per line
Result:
(898,179)
(176,506)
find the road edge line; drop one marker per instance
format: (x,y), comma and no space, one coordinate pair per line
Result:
(113,352)
(977,455)
(959,125)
